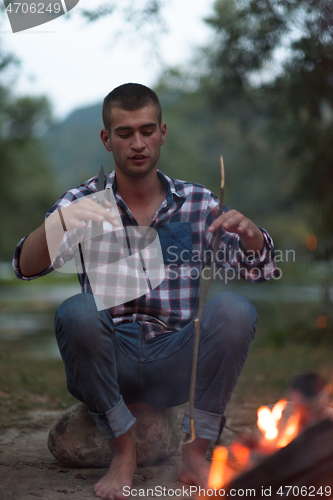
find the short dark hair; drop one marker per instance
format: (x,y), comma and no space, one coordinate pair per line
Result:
(130,96)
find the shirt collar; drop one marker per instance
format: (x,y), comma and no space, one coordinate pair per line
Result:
(172,188)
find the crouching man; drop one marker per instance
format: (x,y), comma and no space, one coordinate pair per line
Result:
(140,350)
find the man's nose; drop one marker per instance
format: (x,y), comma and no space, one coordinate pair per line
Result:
(138,142)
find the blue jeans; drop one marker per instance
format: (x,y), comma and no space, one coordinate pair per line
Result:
(109,367)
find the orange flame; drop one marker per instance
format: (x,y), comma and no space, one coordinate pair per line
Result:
(321,321)
(217,470)
(290,431)
(278,409)
(311,242)
(223,471)
(241,453)
(268,420)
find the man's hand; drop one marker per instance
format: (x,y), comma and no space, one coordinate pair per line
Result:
(77,214)
(35,252)
(234,222)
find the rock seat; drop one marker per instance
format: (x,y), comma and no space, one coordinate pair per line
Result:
(75,441)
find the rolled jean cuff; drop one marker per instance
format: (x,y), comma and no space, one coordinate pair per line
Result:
(114,422)
(207,425)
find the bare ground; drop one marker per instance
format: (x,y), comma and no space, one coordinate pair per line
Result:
(28,471)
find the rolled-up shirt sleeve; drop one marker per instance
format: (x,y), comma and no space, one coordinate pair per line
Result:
(66,251)
(16,267)
(258,266)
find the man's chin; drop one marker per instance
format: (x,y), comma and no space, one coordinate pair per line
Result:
(138,171)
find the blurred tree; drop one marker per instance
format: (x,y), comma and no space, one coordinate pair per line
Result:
(274,58)
(142,18)
(27,117)
(140,13)
(207,118)
(27,181)
(271,64)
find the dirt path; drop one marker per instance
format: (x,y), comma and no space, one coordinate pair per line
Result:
(28,471)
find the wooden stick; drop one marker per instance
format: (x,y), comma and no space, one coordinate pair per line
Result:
(200,309)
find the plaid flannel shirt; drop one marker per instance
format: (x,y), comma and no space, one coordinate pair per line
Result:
(182,222)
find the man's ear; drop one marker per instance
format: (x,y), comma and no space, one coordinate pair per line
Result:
(105,139)
(163,131)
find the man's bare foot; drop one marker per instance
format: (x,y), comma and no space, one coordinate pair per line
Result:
(121,471)
(194,468)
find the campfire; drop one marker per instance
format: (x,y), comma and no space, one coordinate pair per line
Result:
(289,455)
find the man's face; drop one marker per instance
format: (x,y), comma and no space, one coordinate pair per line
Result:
(135,139)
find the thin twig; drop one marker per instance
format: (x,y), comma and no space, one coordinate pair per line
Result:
(200,309)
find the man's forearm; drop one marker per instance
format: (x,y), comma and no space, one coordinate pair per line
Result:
(34,257)
(35,252)
(39,248)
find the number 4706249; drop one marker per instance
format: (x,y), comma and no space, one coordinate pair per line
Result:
(33,8)
(304,491)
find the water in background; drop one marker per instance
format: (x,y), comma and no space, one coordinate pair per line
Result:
(27,316)
(27,312)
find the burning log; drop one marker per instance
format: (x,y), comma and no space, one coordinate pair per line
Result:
(306,462)
(286,459)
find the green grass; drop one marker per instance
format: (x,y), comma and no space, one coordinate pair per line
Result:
(268,370)
(28,385)
(284,323)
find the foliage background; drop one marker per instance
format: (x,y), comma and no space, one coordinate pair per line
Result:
(261,94)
